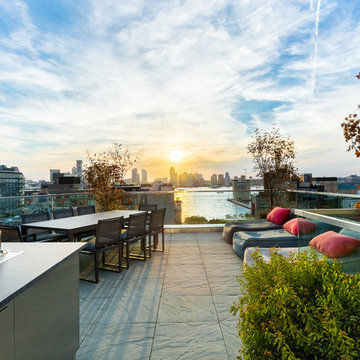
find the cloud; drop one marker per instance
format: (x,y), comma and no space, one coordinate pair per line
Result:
(175,74)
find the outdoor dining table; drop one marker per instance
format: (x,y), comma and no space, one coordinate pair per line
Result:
(76,225)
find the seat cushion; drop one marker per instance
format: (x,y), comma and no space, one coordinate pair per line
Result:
(256,225)
(266,239)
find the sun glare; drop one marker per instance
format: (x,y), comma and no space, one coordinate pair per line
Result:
(176,155)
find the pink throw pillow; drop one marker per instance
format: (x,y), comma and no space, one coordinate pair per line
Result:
(334,245)
(278,215)
(299,226)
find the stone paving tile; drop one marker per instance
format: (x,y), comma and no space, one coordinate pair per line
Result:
(223,270)
(185,286)
(188,342)
(224,285)
(130,309)
(184,260)
(183,237)
(209,236)
(223,304)
(178,309)
(232,341)
(185,271)
(138,286)
(117,341)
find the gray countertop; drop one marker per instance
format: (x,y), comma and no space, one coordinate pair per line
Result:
(38,259)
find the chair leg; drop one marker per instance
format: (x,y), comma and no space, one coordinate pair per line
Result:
(127,255)
(143,245)
(96,267)
(156,241)
(149,246)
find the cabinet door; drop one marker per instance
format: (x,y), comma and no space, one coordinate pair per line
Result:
(47,315)
(7,331)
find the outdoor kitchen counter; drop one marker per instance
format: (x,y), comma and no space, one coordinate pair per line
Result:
(39,301)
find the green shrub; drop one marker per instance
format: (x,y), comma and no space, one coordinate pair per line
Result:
(298,308)
(196,220)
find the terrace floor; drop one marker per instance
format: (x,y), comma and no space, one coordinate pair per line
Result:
(173,306)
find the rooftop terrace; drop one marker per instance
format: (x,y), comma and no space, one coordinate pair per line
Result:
(174,305)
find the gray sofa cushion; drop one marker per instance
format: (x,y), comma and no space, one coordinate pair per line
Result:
(256,225)
(266,239)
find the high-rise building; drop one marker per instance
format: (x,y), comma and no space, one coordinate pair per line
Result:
(227,179)
(79,167)
(173,177)
(134,176)
(214,180)
(12,183)
(143,176)
(74,171)
(221,180)
(52,172)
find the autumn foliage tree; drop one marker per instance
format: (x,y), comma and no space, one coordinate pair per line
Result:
(104,172)
(351,131)
(273,157)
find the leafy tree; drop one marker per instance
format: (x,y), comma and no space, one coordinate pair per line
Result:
(351,131)
(103,172)
(273,157)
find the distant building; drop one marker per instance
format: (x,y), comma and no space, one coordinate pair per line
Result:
(214,180)
(143,176)
(52,172)
(135,176)
(221,180)
(12,183)
(79,167)
(173,177)
(227,179)
(74,171)
(241,189)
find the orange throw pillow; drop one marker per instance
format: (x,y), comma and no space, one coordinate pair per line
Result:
(334,244)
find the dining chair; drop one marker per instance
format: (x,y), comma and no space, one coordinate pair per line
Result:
(147,207)
(84,210)
(107,238)
(135,232)
(39,235)
(63,213)
(10,234)
(155,227)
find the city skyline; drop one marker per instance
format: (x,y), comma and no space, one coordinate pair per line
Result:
(180,84)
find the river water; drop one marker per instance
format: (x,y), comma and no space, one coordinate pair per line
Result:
(209,203)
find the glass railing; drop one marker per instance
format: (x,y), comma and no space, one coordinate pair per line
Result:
(183,206)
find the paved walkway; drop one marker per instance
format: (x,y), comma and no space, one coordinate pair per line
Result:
(174,306)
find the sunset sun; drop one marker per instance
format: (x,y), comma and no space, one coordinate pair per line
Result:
(176,155)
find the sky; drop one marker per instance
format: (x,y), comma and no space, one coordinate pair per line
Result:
(194,77)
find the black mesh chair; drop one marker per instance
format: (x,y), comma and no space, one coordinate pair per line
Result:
(134,232)
(147,207)
(86,210)
(10,234)
(39,234)
(107,238)
(155,227)
(63,213)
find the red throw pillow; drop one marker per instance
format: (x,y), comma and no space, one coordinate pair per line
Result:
(278,215)
(334,245)
(299,226)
